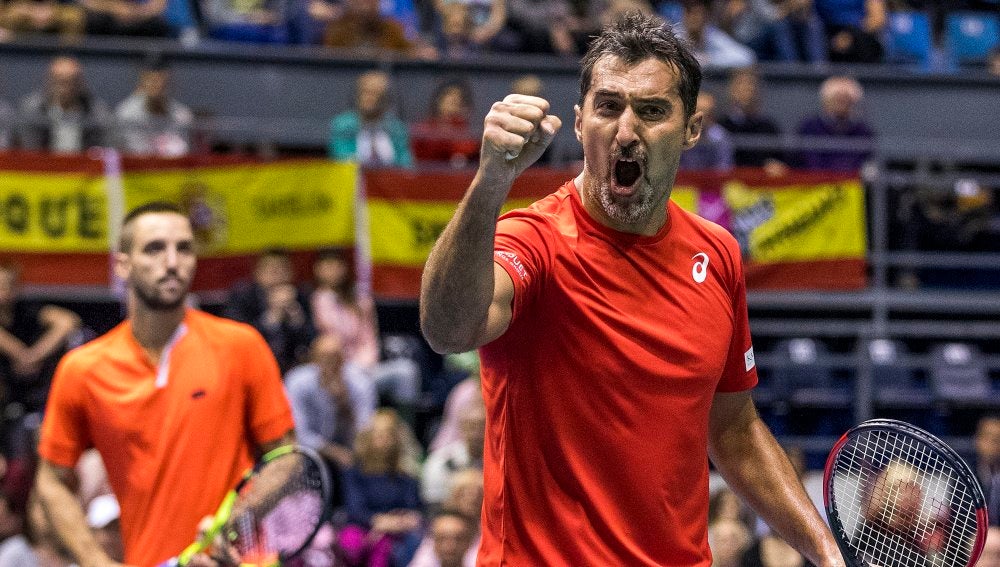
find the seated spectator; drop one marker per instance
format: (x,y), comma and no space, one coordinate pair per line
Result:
(838,118)
(470,26)
(714,150)
(467,452)
(448,543)
(339,310)
(384,511)
(541,26)
(15,551)
(363,28)
(467,388)
(853,29)
(150,122)
(991,550)
(729,539)
(274,306)
(63,117)
(370,133)
(32,339)
(745,117)
(993,62)
(252,21)
(332,399)
(712,47)
(144,18)
(775,30)
(42,16)
(445,135)
(986,445)
(772,551)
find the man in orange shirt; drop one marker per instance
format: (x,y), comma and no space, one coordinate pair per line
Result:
(177,402)
(615,345)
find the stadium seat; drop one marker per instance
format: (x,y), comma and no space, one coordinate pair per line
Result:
(969,36)
(818,400)
(959,375)
(895,386)
(909,38)
(671,11)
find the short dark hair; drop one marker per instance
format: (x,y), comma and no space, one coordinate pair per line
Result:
(635,37)
(125,236)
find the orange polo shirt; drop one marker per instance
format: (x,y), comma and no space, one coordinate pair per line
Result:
(174,438)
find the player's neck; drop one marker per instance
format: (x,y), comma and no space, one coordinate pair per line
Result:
(153,328)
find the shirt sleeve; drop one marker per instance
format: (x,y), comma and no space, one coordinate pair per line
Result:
(740,372)
(64,433)
(269,415)
(520,249)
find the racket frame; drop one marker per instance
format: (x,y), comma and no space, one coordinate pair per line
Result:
(943,451)
(225,509)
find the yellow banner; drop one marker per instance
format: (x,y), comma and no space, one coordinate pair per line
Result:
(403,232)
(52,212)
(247,208)
(799,222)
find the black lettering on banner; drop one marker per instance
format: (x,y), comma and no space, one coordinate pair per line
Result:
(54,216)
(826,203)
(91,221)
(292,205)
(15,213)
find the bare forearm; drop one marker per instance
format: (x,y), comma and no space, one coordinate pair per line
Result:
(756,467)
(63,511)
(457,285)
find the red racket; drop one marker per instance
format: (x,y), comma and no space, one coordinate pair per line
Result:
(897,496)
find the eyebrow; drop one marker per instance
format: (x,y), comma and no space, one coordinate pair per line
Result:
(604,92)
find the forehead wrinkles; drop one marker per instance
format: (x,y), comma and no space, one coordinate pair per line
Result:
(647,78)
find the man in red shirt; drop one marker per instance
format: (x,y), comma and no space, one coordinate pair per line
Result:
(176,401)
(616,354)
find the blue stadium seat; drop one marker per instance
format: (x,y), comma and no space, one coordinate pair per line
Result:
(909,38)
(970,36)
(820,401)
(896,385)
(671,11)
(959,375)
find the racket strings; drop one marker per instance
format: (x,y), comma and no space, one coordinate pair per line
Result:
(279,510)
(913,510)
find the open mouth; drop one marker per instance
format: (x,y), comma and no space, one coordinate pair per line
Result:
(627,172)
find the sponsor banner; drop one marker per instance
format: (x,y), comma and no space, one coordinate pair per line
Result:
(53,211)
(800,231)
(239,209)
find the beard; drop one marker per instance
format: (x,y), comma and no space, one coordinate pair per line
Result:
(151,298)
(627,210)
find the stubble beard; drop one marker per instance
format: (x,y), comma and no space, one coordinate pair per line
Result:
(630,210)
(152,300)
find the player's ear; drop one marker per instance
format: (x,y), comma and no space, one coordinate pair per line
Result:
(122,265)
(577,123)
(692,131)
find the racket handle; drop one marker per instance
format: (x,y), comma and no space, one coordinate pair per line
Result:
(172,562)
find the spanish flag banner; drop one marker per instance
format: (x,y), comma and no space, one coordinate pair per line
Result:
(798,231)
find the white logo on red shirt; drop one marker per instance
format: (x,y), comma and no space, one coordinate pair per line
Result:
(748,359)
(513,261)
(700,270)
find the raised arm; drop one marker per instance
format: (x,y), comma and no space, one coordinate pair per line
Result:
(63,511)
(756,467)
(464,298)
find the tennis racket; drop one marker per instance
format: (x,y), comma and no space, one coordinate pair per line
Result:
(896,496)
(271,515)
